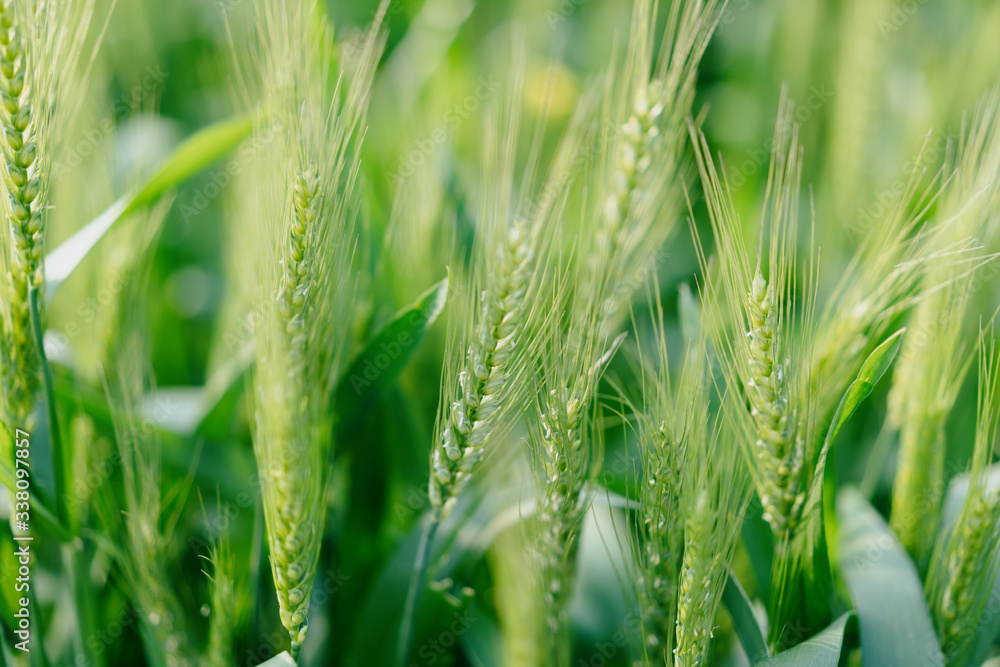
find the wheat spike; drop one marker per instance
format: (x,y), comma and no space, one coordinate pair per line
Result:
(779,443)
(964,565)
(483,381)
(933,363)
(308,177)
(24,212)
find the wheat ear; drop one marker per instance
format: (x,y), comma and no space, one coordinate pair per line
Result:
(483,381)
(772,365)
(671,423)
(965,561)
(641,174)
(24,212)
(309,162)
(780,447)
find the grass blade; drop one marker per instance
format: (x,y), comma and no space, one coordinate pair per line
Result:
(747,629)
(283,659)
(896,628)
(823,650)
(871,372)
(386,355)
(194,154)
(59,457)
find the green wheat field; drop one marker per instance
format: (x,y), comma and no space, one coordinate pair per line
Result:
(457,333)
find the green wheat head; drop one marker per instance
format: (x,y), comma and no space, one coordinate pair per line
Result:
(638,177)
(768,355)
(964,565)
(311,125)
(42,75)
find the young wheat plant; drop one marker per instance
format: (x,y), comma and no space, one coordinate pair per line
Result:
(308,177)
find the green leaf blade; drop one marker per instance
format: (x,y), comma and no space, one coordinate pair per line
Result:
(871,372)
(194,154)
(896,628)
(823,650)
(386,355)
(737,603)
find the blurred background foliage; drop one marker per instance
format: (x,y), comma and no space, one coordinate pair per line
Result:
(873,79)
